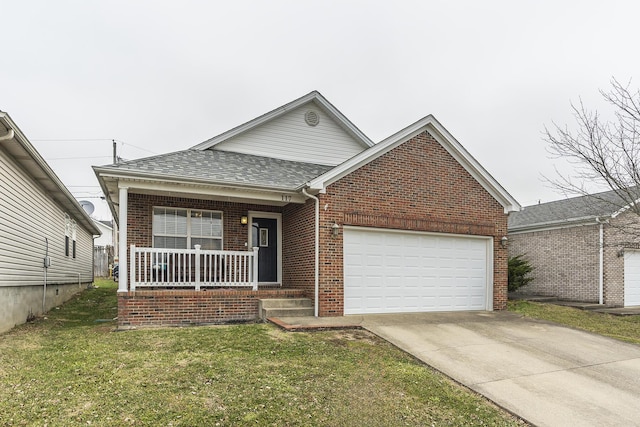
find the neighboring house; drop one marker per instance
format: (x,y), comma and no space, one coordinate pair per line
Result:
(581,249)
(46,238)
(103,254)
(410,224)
(106,228)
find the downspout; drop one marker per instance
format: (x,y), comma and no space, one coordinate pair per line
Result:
(317,250)
(601,263)
(46,266)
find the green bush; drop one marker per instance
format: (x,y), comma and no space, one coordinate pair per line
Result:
(519,269)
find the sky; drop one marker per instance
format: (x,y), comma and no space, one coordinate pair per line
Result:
(160,76)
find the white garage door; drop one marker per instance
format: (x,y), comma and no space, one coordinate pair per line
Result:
(631,278)
(394,271)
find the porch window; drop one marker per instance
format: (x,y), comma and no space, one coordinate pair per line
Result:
(175,228)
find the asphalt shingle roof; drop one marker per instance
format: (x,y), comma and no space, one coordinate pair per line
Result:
(568,210)
(226,167)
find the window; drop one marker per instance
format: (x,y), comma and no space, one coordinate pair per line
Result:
(73,237)
(184,228)
(69,236)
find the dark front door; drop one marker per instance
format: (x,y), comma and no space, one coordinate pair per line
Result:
(265,236)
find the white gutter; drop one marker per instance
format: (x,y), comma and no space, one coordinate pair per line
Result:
(601,263)
(317,250)
(8,136)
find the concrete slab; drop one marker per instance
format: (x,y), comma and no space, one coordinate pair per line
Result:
(545,373)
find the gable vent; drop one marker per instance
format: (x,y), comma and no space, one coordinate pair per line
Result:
(312,118)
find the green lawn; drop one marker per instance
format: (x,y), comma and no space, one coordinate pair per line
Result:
(71,368)
(625,328)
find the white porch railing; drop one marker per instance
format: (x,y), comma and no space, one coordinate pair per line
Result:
(192,268)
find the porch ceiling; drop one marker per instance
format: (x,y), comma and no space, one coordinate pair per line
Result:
(195,190)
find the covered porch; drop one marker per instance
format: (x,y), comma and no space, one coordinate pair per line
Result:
(189,255)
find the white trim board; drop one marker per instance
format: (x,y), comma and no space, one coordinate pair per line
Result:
(448,142)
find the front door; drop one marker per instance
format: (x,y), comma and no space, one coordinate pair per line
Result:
(264,234)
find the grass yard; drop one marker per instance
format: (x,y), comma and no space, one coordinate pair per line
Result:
(72,369)
(625,328)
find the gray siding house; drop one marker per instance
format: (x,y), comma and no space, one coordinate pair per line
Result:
(46,238)
(582,249)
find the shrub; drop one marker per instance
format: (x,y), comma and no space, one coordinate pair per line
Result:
(519,269)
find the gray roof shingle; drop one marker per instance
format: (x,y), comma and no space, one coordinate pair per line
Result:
(225,167)
(568,210)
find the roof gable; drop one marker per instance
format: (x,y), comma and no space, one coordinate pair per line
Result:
(446,140)
(329,138)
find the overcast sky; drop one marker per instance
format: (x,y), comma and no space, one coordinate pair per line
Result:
(160,76)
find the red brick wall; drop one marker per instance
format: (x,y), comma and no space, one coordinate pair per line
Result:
(417,185)
(190,307)
(298,251)
(140,215)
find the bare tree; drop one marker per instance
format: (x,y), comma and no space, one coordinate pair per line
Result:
(604,151)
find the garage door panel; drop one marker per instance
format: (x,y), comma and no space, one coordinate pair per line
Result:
(631,278)
(410,272)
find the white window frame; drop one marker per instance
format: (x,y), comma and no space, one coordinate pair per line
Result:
(188,236)
(74,227)
(70,227)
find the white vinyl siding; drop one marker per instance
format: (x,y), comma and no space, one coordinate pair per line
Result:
(28,219)
(289,137)
(178,228)
(390,271)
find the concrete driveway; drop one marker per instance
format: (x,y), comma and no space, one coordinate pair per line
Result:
(547,374)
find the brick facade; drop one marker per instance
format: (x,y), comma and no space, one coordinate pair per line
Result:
(140,216)
(621,234)
(298,247)
(190,307)
(418,186)
(567,260)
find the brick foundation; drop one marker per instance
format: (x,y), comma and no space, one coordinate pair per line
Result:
(190,307)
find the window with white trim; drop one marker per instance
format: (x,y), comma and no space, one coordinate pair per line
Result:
(69,236)
(74,227)
(178,228)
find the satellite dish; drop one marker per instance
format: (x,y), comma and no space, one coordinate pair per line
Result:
(87,206)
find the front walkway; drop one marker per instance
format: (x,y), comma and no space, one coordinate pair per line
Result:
(547,374)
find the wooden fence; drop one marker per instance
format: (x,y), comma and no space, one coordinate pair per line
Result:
(102,261)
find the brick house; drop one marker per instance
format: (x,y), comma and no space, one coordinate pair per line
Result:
(582,249)
(300,203)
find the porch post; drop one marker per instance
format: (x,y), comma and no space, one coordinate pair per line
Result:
(122,243)
(132,264)
(255,268)
(197,263)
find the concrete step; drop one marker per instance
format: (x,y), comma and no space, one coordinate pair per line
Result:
(285,307)
(286,302)
(287,312)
